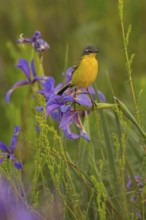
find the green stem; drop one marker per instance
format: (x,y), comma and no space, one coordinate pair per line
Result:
(95,106)
(128,61)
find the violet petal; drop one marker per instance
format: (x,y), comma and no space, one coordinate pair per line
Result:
(23,65)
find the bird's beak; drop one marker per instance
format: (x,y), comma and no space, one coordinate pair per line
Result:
(97,51)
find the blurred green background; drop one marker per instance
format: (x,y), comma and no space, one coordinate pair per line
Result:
(69,26)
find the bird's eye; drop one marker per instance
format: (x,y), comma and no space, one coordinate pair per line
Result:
(88,50)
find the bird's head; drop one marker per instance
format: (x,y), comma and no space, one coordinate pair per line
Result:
(90,50)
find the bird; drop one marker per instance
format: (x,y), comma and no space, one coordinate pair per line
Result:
(85,72)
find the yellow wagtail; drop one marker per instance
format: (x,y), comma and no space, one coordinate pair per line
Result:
(85,73)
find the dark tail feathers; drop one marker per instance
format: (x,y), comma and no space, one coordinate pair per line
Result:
(64,88)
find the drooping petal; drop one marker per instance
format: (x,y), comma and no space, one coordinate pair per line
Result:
(17,164)
(67,119)
(8,94)
(20,83)
(15,86)
(101,96)
(78,123)
(83,99)
(3,147)
(84,134)
(23,65)
(69,134)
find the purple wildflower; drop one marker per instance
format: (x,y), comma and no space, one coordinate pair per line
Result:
(133,197)
(37,42)
(8,152)
(62,108)
(138,181)
(24,66)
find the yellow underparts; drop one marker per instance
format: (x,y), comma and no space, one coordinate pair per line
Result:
(86,72)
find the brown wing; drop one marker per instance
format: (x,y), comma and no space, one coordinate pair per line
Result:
(76,66)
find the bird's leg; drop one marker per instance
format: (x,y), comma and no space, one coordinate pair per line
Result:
(74,97)
(91,97)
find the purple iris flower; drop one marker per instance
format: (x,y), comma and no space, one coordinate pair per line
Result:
(24,66)
(59,107)
(8,152)
(62,107)
(37,42)
(68,115)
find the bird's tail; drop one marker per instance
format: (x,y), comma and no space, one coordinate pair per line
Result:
(64,88)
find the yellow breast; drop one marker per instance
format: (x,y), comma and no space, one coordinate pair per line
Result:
(86,72)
